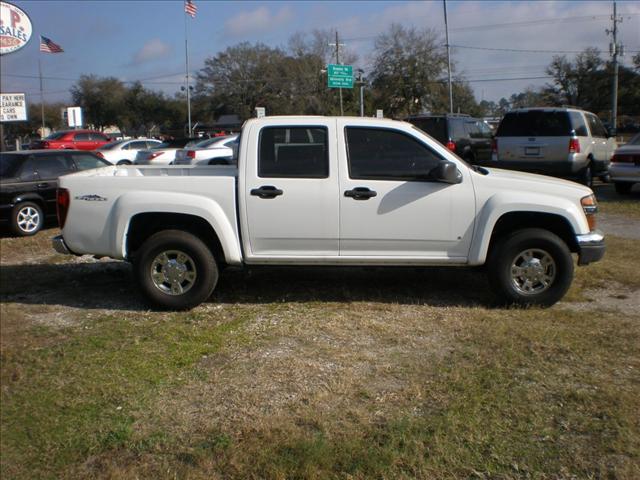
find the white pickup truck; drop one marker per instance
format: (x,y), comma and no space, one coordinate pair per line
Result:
(331,191)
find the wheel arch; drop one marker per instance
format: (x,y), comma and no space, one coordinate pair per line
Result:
(513,221)
(30,197)
(144,225)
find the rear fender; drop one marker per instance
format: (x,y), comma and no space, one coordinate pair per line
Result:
(134,203)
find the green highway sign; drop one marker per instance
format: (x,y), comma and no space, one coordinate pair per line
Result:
(340,76)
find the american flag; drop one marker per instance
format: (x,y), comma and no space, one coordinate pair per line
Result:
(48,46)
(190,8)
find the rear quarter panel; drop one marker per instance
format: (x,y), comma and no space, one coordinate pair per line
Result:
(102,205)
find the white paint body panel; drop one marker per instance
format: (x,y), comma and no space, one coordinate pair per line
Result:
(407,223)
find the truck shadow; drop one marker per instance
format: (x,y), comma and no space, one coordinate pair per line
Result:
(110,285)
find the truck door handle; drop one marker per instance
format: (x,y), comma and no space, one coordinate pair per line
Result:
(42,185)
(360,193)
(266,191)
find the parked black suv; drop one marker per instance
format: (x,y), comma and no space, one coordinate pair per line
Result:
(28,183)
(468,137)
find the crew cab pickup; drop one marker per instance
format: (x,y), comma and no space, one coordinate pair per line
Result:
(330,191)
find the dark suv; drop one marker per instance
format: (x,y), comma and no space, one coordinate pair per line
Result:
(468,137)
(28,183)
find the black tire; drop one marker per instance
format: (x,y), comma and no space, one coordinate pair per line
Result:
(586,176)
(27,219)
(623,188)
(195,272)
(508,275)
(124,162)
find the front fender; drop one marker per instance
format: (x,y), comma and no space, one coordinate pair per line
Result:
(502,203)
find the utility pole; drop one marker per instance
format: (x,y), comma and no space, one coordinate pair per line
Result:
(338,45)
(361,82)
(615,49)
(188,88)
(446,31)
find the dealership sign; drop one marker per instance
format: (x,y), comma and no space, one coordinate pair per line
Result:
(15,28)
(13,107)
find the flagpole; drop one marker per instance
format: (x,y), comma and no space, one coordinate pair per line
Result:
(42,135)
(186,56)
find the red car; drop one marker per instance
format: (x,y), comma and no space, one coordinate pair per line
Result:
(72,140)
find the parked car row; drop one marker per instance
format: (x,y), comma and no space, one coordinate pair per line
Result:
(563,142)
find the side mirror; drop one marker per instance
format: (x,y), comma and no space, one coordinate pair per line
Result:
(446,172)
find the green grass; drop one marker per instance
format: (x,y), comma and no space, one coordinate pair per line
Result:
(80,395)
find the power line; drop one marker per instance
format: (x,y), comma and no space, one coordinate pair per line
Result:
(520,50)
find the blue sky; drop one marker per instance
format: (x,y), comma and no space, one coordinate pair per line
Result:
(144,40)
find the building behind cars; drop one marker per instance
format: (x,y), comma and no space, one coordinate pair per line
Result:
(468,137)
(564,142)
(28,183)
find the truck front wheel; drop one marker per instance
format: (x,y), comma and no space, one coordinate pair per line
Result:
(530,267)
(175,270)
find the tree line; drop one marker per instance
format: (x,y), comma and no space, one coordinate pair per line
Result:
(407,75)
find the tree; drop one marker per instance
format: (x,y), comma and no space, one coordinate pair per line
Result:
(102,100)
(579,83)
(408,71)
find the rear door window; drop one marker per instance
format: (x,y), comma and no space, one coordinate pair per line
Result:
(535,123)
(86,161)
(140,145)
(52,166)
(28,171)
(82,137)
(98,137)
(293,152)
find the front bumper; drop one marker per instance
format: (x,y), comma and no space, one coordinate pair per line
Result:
(591,247)
(59,246)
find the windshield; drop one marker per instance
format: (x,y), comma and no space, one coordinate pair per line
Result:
(55,136)
(9,163)
(110,145)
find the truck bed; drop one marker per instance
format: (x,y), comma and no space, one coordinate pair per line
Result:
(103,200)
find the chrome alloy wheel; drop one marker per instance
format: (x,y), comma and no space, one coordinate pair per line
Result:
(533,271)
(173,272)
(28,219)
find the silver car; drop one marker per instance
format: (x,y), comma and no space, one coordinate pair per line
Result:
(564,142)
(625,165)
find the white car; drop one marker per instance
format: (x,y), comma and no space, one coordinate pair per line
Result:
(164,153)
(123,152)
(208,152)
(625,165)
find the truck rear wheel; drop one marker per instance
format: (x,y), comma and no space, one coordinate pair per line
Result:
(530,267)
(175,270)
